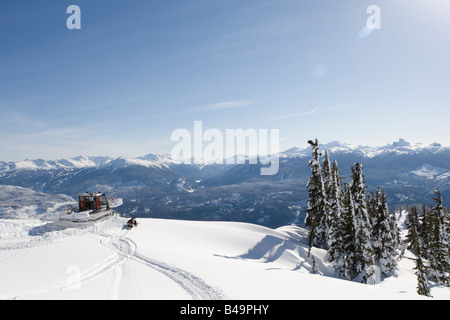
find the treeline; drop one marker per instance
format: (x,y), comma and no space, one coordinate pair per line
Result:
(361,234)
(428,239)
(358,230)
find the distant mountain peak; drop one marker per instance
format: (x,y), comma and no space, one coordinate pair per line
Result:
(401,143)
(334,144)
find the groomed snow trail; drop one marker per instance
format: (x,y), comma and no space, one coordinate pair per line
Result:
(78,278)
(190,283)
(125,249)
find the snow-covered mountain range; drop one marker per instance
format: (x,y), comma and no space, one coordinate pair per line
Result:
(160,186)
(400,147)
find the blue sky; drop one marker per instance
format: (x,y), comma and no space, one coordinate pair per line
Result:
(138,70)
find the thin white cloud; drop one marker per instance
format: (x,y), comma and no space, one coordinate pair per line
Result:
(317,110)
(225,105)
(295,115)
(364,32)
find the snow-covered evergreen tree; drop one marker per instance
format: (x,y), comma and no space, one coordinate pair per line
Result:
(424,230)
(414,245)
(383,243)
(393,223)
(372,207)
(335,217)
(438,245)
(423,288)
(349,234)
(363,246)
(326,174)
(413,236)
(317,203)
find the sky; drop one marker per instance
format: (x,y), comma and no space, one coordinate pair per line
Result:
(138,70)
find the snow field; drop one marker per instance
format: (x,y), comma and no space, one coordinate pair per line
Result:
(176,260)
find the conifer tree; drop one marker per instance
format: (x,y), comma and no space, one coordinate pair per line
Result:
(413,239)
(317,203)
(424,231)
(336,244)
(383,243)
(393,223)
(438,245)
(373,212)
(364,250)
(423,288)
(349,234)
(326,174)
(412,226)
(372,207)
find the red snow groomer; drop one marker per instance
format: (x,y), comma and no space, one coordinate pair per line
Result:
(92,201)
(92,206)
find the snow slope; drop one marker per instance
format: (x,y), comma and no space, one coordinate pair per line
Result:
(21,203)
(171,259)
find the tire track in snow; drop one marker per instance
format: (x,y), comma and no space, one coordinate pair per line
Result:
(190,283)
(75,281)
(125,249)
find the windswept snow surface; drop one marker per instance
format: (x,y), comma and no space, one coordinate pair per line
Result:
(171,259)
